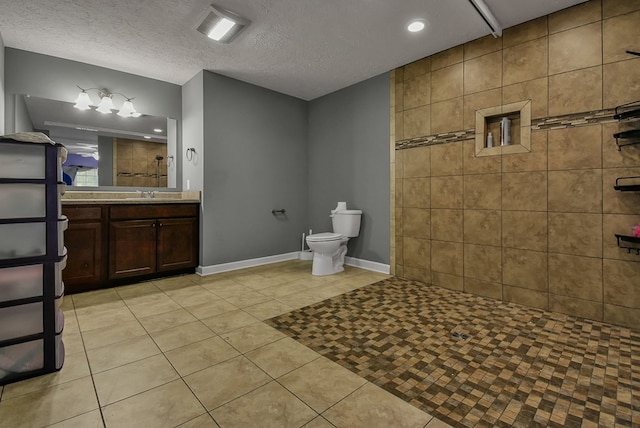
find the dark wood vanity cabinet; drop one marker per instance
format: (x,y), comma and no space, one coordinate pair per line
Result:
(145,239)
(177,243)
(132,248)
(110,244)
(85,243)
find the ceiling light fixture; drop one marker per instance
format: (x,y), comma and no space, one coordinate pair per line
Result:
(220,24)
(417,25)
(488,17)
(83,102)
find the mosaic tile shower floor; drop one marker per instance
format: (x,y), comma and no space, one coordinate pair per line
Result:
(477,362)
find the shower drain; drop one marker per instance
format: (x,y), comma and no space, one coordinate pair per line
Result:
(460,336)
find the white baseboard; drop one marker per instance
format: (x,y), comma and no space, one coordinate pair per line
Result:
(368,265)
(243,264)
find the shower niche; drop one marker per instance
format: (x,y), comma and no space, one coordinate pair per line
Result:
(504,129)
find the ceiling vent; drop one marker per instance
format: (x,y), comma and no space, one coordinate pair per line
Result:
(220,24)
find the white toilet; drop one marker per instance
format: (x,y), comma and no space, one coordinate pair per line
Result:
(328,248)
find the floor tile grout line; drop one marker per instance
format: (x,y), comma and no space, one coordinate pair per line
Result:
(139,393)
(199,401)
(86,356)
(179,325)
(309,405)
(230,401)
(163,353)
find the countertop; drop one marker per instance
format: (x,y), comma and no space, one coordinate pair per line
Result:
(96,198)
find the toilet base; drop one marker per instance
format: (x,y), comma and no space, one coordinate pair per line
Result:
(329,264)
(324,265)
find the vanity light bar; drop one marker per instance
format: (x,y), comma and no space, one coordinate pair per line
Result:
(83,102)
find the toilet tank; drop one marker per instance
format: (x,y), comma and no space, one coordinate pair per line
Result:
(347,222)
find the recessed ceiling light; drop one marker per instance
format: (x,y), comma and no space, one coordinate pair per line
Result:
(417,25)
(147,137)
(157,130)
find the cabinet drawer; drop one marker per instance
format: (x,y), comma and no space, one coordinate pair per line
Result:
(127,212)
(22,282)
(88,212)
(30,240)
(20,160)
(27,356)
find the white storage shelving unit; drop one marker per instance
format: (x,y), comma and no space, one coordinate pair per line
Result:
(32,256)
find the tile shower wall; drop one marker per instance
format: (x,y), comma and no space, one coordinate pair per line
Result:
(135,163)
(534,228)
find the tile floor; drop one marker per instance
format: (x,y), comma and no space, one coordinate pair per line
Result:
(228,350)
(476,362)
(194,351)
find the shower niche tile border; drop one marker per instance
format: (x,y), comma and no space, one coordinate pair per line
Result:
(488,120)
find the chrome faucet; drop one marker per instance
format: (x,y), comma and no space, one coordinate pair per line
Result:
(147,194)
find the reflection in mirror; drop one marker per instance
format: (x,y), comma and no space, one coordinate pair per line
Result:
(106,149)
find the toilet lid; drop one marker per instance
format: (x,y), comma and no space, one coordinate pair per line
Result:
(350,212)
(323,237)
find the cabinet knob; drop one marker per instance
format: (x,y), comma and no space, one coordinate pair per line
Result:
(153,225)
(160,224)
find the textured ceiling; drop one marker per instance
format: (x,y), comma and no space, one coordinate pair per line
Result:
(304,48)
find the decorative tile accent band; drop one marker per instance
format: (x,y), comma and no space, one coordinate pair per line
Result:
(139,174)
(573,120)
(552,122)
(431,140)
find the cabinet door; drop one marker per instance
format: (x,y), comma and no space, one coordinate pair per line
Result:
(177,243)
(132,248)
(84,255)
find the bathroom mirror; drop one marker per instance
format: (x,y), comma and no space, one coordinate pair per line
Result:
(106,150)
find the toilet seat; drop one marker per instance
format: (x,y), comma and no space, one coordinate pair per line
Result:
(324,237)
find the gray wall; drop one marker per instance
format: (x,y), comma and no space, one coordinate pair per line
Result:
(255,151)
(17,115)
(105,152)
(193,136)
(56,78)
(349,161)
(2,102)
(193,131)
